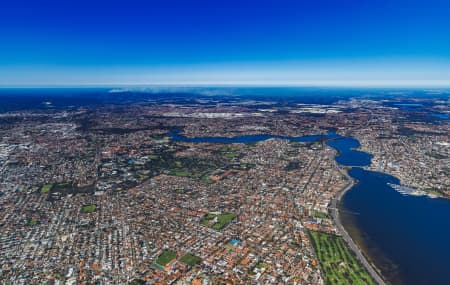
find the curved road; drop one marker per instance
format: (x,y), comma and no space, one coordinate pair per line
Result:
(335,213)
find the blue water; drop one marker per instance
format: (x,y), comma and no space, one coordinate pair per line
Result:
(234,241)
(441,116)
(412,232)
(407,237)
(347,155)
(409,105)
(175,136)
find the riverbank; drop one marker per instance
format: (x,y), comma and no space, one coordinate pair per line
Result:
(349,155)
(332,252)
(346,155)
(374,273)
(405,236)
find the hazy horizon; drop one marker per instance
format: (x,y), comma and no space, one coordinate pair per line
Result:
(314,43)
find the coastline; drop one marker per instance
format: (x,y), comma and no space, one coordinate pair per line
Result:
(403,181)
(373,271)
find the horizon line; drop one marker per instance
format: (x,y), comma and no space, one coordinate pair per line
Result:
(305,84)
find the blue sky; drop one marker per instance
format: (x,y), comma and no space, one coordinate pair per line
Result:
(302,42)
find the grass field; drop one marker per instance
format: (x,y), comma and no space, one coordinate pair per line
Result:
(166,257)
(46,188)
(137,282)
(338,263)
(89,209)
(320,215)
(217,222)
(229,152)
(262,266)
(181,173)
(434,191)
(190,259)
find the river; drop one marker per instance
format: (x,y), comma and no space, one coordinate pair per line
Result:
(406,237)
